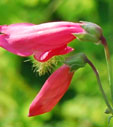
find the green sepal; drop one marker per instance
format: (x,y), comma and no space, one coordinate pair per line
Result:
(76,61)
(92,32)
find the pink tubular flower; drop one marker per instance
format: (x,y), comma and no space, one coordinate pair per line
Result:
(43,41)
(52,91)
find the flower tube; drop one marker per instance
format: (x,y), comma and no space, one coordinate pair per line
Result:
(42,41)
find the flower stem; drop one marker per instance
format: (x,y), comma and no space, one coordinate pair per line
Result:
(109,119)
(108,60)
(100,85)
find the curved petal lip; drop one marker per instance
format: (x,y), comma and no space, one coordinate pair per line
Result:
(44,56)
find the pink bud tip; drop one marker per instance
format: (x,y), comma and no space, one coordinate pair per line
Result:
(52,91)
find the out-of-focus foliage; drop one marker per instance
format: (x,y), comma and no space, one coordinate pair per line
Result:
(82,105)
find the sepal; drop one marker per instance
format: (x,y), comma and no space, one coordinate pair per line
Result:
(92,32)
(76,61)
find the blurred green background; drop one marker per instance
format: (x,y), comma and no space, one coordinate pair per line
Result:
(82,105)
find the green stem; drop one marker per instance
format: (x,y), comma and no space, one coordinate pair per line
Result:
(109,119)
(100,85)
(109,66)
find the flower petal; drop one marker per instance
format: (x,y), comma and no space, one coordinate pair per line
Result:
(44,56)
(19,51)
(52,91)
(2,39)
(14,28)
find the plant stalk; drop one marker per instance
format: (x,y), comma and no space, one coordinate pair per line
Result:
(109,66)
(100,85)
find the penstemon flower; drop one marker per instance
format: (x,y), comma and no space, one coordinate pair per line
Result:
(42,41)
(55,86)
(52,91)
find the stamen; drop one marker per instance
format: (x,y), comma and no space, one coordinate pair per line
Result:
(46,67)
